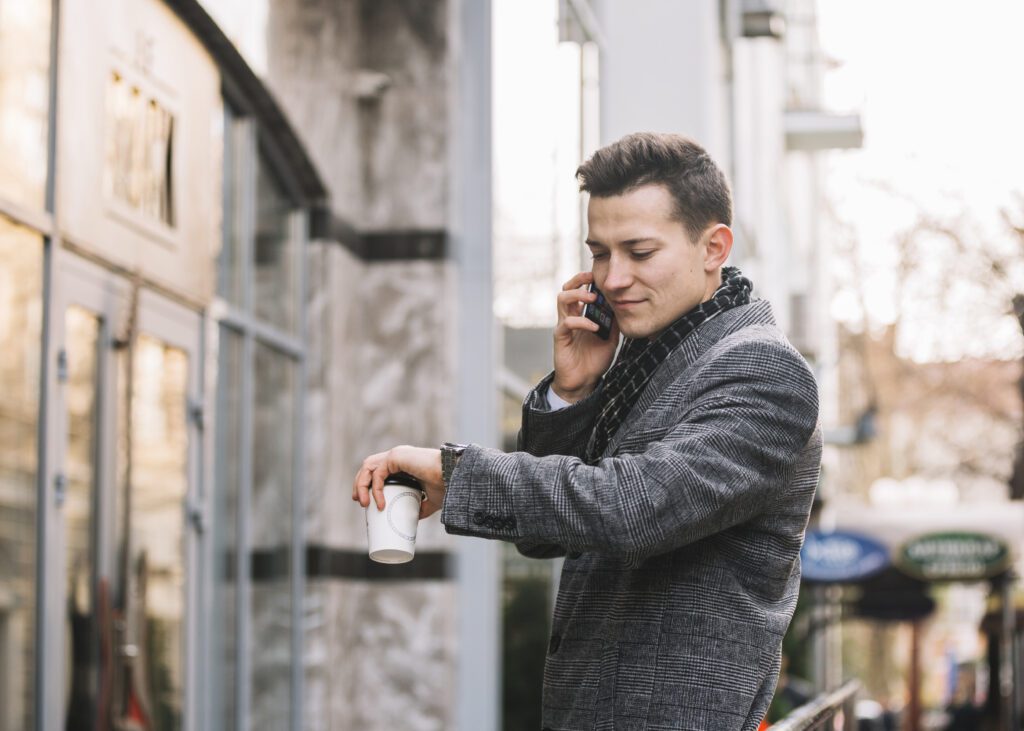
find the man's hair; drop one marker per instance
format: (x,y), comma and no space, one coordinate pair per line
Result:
(697,185)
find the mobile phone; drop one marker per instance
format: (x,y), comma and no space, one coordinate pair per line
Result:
(600,312)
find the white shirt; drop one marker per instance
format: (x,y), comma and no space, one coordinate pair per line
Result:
(556,402)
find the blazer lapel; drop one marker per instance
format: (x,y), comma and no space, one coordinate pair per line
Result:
(683,357)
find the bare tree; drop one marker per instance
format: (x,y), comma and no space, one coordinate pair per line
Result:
(956,412)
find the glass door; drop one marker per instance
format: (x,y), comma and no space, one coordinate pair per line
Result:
(127,524)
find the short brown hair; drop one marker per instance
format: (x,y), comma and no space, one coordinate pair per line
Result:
(698,186)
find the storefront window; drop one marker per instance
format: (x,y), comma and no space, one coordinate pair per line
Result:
(274,253)
(24,100)
(228,475)
(155,580)
(82,335)
(21,261)
(259,268)
(273,469)
(231,257)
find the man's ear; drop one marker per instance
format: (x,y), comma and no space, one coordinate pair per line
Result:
(718,248)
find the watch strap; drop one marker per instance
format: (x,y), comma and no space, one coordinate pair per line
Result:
(451,453)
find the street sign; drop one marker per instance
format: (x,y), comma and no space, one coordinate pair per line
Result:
(841,556)
(953,556)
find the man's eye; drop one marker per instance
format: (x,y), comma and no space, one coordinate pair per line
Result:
(642,254)
(596,255)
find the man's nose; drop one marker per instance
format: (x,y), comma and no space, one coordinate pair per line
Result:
(619,275)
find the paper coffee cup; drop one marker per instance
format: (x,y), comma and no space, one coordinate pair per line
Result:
(391,532)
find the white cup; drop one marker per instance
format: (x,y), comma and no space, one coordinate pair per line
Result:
(391,532)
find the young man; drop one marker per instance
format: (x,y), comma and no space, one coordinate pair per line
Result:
(677,482)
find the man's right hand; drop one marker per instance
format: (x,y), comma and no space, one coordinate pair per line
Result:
(581,357)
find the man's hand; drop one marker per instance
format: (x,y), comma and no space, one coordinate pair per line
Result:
(581,357)
(423,464)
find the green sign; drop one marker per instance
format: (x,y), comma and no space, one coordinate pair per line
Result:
(953,556)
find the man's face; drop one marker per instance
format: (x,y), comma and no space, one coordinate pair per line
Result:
(644,261)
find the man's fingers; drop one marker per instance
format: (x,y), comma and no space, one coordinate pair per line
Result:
(579,280)
(572,296)
(369,482)
(361,486)
(580,323)
(569,301)
(377,483)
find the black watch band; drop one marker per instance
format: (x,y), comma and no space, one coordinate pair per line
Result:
(450,455)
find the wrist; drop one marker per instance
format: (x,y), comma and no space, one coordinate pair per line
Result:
(572,395)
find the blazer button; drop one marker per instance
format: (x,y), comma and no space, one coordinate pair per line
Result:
(478,517)
(553,644)
(489,521)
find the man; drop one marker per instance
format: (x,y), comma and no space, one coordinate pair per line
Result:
(677,482)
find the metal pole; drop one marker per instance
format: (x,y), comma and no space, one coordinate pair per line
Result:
(914,690)
(819,640)
(478,681)
(1009,694)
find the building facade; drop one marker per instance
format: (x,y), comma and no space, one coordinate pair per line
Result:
(204,334)
(243,246)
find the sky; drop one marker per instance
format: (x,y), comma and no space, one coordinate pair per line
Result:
(938,85)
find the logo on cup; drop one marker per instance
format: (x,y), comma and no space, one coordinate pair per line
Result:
(391,506)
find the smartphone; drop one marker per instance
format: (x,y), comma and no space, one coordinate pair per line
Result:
(600,312)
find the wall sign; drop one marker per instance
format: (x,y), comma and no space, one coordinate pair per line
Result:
(953,556)
(841,556)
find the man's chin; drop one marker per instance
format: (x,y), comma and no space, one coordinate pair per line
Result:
(635,330)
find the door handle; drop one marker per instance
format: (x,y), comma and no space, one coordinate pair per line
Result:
(194,516)
(60,489)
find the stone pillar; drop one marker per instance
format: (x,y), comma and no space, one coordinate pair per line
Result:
(366,84)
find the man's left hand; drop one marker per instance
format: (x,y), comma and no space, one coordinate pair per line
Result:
(422,463)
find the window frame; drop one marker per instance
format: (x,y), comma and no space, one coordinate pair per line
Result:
(240,318)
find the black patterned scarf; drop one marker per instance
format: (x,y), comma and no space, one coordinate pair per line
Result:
(639,359)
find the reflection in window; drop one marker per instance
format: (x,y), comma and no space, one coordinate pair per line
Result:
(230,257)
(139,163)
(24,100)
(275,290)
(82,337)
(225,525)
(273,468)
(154,579)
(21,256)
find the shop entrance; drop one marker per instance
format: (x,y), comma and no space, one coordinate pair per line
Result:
(122,606)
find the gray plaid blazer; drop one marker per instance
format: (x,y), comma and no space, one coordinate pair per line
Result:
(682,543)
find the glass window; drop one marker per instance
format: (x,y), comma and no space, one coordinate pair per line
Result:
(21,261)
(275,287)
(259,267)
(271,528)
(228,479)
(24,100)
(82,335)
(140,151)
(231,257)
(154,575)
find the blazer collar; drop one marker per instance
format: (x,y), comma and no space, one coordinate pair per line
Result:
(757,312)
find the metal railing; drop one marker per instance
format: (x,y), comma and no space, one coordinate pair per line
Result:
(821,712)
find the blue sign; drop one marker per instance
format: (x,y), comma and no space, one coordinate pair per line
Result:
(841,556)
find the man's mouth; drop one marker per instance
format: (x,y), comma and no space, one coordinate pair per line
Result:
(625,304)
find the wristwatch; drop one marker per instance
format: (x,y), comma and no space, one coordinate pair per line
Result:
(451,453)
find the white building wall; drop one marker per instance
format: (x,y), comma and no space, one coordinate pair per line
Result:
(685,67)
(662,70)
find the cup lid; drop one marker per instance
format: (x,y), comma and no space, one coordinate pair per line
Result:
(402,478)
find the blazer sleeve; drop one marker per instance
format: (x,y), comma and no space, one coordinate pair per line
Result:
(717,452)
(545,432)
(565,431)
